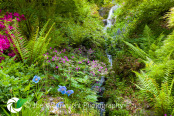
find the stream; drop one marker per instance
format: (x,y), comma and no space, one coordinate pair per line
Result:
(101,103)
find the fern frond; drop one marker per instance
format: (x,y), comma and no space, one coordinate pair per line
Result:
(137,50)
(18,42)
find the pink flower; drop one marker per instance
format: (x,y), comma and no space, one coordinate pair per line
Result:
(10,27)
(88,62)
(16,14)
(22,17)
(18,19)
(50,47)
(52,59)
(11,54)
(48,60)
(61,58)
(101,67)
(80,62)
(57,67)
(63,61)
(106,69)
(72,56)
(76,68)
(99,70)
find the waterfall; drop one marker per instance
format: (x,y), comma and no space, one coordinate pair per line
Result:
(109,19)
(101,102)
(109,22)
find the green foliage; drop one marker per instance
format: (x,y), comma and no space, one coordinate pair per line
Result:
(15,78)
(77,22)
(136,14)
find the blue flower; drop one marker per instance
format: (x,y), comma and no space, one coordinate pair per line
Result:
(36,79)
(62,89)
(59,105)
(69,92)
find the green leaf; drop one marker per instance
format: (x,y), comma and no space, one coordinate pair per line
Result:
(20,102)
(27,88)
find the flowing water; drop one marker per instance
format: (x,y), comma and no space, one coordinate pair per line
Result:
(109,23)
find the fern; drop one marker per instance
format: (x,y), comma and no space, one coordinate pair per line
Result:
(33,50)
(137,50)
(38,44)
(18,42)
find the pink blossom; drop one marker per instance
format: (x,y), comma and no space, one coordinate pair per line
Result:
(18,19)
(52,59)
(99,70)
(11,54)
(10,27)
(57,67)
(72,56)
(80,62)
(22,17)
(63,61)
(16,14)
(48,60)
(50,47)
(88,62)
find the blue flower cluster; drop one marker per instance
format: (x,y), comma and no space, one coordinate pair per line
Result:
(63,89)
